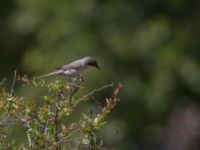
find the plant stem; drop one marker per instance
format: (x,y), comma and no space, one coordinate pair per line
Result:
(57,118)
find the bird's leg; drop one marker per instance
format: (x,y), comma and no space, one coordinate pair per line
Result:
(82,78)
(76,88)
(76,85)
(78,77)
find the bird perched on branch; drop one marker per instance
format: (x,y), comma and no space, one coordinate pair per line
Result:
(75,69)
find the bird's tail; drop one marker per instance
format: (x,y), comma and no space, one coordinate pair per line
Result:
(50,74)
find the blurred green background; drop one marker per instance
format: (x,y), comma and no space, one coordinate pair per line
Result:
(151,47)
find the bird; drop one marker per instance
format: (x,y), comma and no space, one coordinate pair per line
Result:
(75,69)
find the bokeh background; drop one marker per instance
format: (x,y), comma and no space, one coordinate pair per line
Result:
(151,47)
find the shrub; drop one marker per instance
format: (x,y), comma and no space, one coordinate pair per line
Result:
(45,125)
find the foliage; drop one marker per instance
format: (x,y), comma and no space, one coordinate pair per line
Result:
(46,125)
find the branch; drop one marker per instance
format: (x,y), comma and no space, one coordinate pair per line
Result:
(97,90)
(3,80)
(84,97)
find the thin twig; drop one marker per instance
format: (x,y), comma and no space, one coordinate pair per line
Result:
(75,85)
(3,80)
(97,90)
(91,93)
(13,84)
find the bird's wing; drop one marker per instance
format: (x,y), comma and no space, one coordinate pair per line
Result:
(75,65)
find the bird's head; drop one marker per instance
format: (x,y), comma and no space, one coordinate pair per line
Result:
(90,61)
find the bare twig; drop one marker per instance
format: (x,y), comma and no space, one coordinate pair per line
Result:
(97,90)
(13,84)
(84,97)
(75,85)
(3,80)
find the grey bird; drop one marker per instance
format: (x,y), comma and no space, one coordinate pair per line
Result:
(75,69)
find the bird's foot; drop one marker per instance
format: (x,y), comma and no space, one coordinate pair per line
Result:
(82,78)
